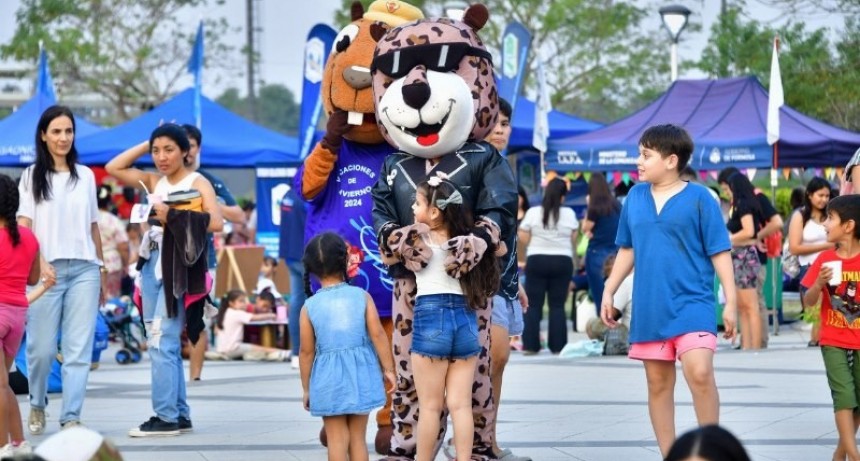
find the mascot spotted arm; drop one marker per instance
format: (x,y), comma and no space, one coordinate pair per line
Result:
(436,101)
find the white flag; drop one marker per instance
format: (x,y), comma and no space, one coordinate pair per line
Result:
(542,108)
(776,98)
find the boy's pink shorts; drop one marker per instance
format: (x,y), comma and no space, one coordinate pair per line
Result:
(12,321)
(673,348)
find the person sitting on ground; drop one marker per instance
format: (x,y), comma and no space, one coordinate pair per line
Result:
(265,302)
(230,328)
(622,308)
(707,443)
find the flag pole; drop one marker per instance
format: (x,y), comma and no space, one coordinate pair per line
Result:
(775,101)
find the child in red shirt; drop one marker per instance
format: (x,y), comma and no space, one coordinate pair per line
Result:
(836,275)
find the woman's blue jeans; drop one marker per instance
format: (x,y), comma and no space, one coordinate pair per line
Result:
(169,400)
(69,308)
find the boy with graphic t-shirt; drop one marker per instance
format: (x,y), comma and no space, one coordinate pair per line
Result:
(676,232)
(835,274)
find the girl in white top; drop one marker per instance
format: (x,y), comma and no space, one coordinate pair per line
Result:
(58,203)
(806,235)
(230,331)
(169,147)
(548,231)
(445,344)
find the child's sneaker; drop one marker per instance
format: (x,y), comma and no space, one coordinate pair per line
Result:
(23,448)
(277,356)
(254,356)
(155,427)
(214,355)
(294,362)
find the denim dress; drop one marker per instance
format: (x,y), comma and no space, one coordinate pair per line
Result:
(346,377)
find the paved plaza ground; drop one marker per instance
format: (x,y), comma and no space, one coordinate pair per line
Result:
(592,409)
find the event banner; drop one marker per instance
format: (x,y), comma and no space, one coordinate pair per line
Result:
(317,49)
(515,51)
(272,184)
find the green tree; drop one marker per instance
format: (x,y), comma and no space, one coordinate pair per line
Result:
(820,79)
(130,52)
(276,107)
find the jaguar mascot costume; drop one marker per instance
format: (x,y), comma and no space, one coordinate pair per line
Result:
(337,176)
(436,101)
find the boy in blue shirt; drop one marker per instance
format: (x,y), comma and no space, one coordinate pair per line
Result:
(672,232)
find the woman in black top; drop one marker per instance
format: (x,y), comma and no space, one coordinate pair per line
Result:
(743,225)
(601,225)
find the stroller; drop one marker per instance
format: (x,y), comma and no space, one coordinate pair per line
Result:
(125,327)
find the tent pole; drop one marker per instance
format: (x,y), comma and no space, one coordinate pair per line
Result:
(773,182)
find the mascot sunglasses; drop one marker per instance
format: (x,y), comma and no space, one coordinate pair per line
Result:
(439,57)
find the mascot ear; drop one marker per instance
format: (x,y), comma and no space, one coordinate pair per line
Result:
(378,30)
(356,11)
(476,16)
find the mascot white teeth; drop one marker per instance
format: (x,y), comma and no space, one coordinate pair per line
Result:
(436,100)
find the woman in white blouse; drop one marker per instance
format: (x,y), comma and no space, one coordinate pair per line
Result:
(548,231)
(58,202)
(806,235)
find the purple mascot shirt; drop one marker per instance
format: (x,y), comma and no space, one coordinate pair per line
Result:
(344,206)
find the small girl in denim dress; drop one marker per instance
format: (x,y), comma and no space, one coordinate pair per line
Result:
(445,338)
(342,375)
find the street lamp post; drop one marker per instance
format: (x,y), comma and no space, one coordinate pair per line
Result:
(674,20)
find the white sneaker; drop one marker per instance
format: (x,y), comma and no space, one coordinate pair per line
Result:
(36,421)
(23,449)
(7,451)
(294,362)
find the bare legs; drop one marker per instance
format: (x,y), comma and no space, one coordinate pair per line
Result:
(698,369)
(750,318)
(11,429)
(196,356)
(345,434)
(439,382)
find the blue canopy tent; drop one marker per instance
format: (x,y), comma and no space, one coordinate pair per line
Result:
(561,125)
(18,130)
(229,141)
(727,119)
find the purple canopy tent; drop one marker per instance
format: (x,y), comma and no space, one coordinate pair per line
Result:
(727,119)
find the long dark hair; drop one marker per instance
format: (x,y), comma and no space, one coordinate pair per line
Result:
(743,193)
(44,166)
(325,255)
(815,185)
(600,199)
(482,282)
(552,198)
(226,300)
(9,206)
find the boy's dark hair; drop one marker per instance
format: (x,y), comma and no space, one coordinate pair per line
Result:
(709,442)
(482,282)
(193,133)
(9,207)
(325,255)
(177,135)
(228,298)
(505,108)
(847,207)
(553,195)
(726,173)
(667,140)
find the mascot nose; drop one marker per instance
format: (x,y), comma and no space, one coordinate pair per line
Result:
(357,77)
(416,94)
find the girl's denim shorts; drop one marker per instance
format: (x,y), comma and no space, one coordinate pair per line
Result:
(444,327)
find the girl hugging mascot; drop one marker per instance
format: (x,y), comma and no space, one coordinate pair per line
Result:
(436,100)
